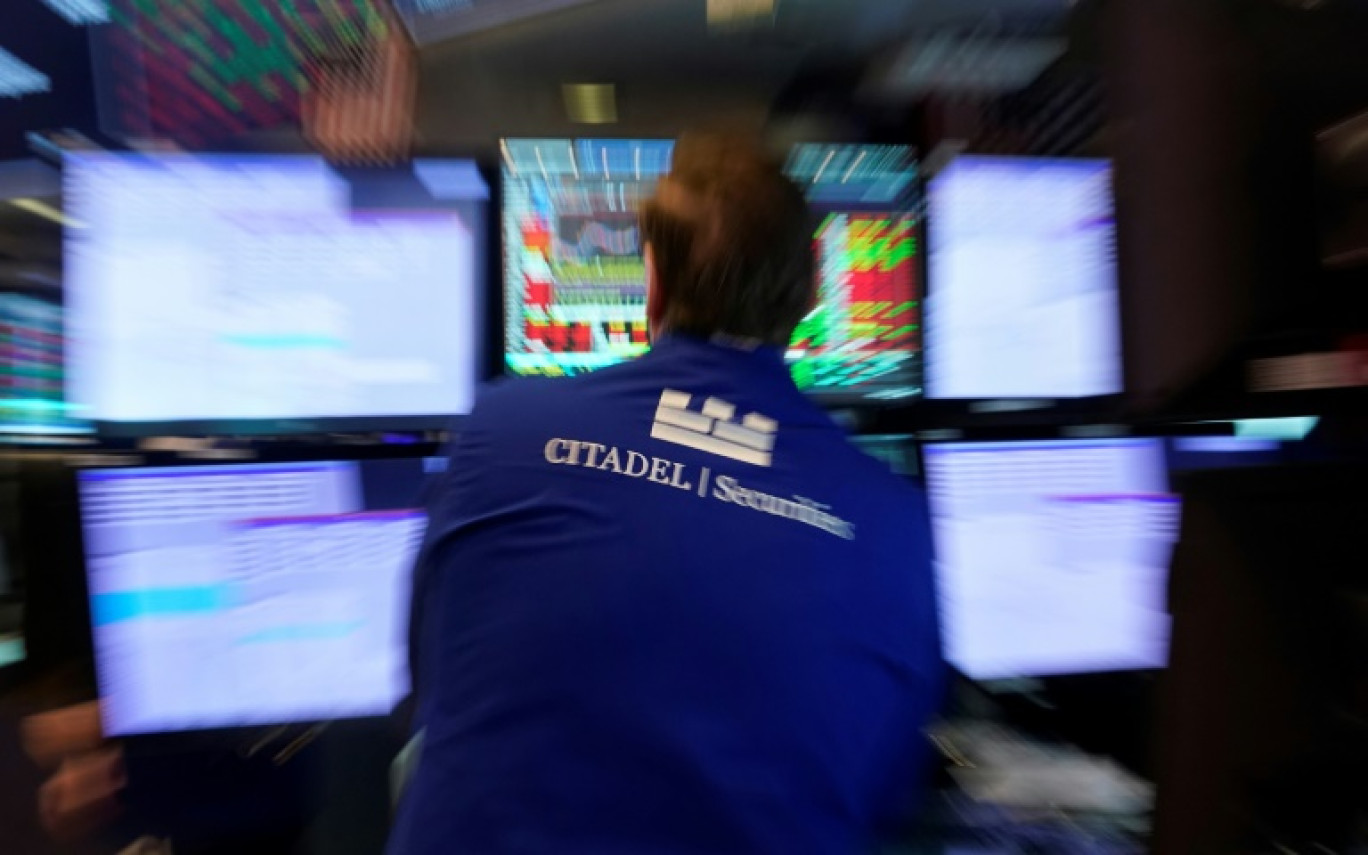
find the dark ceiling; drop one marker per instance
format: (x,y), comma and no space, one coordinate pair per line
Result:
(672,71)
(43,39)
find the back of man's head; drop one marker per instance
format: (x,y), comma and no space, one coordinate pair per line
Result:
(730,242)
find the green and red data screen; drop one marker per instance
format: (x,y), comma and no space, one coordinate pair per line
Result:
(575,284)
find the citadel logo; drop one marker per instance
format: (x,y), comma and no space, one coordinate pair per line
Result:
(715,430)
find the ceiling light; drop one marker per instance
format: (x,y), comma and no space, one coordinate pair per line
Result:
(724,12)
(81,11)
(18,78)
(591,103)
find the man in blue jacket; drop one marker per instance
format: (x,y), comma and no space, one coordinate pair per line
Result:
(667,607)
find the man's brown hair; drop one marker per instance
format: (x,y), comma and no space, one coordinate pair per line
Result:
(731,238)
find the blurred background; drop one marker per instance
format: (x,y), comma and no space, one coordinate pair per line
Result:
(1093,273)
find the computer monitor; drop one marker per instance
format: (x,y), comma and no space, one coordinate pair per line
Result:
(1023,300)
(574,278)
(33,367)
(863,338)
(272,293)
(1052,557)
(226,596)
(575,282)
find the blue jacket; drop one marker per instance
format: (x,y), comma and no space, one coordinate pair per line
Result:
(668,608)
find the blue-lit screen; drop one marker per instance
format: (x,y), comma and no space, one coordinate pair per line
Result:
(221,288)
(1023,297)
(1052,557)
(242,595)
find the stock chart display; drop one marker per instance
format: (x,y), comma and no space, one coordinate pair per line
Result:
(574,276)
(201,72)
(865,328)
(32,397)
(575,283)
(864,337)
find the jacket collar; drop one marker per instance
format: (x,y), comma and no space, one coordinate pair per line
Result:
(750,350)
